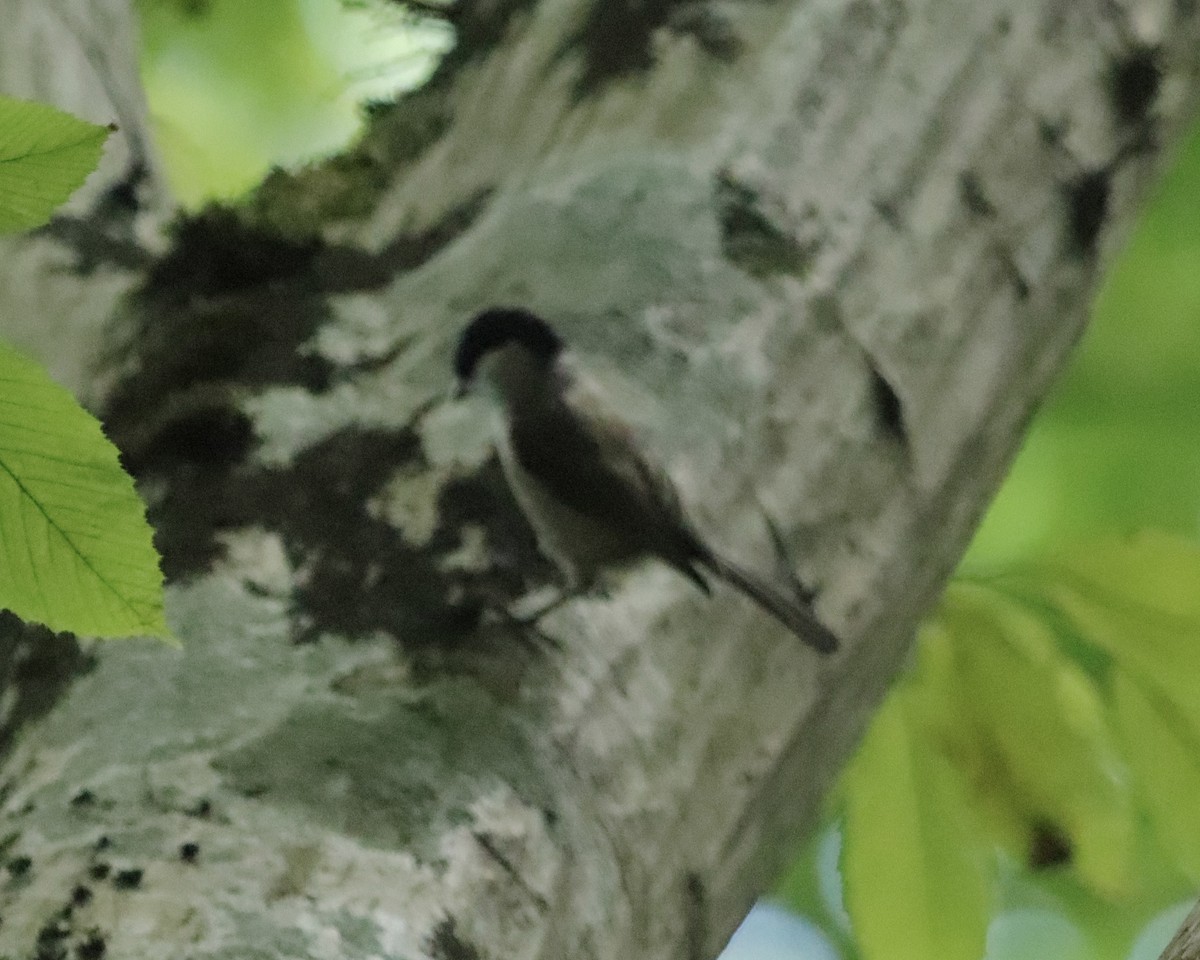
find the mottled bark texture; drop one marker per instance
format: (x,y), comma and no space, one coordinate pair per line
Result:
(829,254)
(1186,943)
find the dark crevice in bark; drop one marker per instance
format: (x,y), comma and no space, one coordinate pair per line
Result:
(1134,83)
(1087,210)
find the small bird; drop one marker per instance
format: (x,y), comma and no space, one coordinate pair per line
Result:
(594,498)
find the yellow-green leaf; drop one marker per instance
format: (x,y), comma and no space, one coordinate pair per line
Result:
(916,876)
(964,736)
(1046,737)
(45,155)
(1139,600)
(76,549)
(1164,755)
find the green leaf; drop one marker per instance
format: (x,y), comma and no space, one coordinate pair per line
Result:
(813,886)
(1138,599)
(223,119)
(44,155)
(1047,752)
(916,876)
(76,549)
(963,733)
(1164,756)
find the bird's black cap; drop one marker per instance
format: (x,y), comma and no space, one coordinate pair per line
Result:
(497,326)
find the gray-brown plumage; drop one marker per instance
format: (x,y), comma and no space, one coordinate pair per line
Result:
(592,496)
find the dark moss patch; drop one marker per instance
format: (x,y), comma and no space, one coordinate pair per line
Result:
(753,238)
(392,769)
(211,436)
(95,246)
(219,252)
(445,943)
(1051,131)
(889,212)
(342,269)
(361,574)
(37,667)
(478,28)
(226,313)
(92,947)
(617,39)
(51,939)
(107,236)
(971,192)
(129,879)
(19,867)
(358,565)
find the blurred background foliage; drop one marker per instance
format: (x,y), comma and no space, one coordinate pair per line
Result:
(236,88)
(1028,790)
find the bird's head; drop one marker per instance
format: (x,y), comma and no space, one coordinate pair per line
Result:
(509,346)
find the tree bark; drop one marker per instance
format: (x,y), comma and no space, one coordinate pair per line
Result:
(1185,945)
(59,286)
(831,256)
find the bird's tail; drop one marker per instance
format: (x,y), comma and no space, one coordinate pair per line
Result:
(792,612)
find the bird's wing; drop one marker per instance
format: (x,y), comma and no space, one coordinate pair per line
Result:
(593,463)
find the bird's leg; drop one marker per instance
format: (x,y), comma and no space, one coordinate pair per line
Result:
(576,586)
(526,617)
